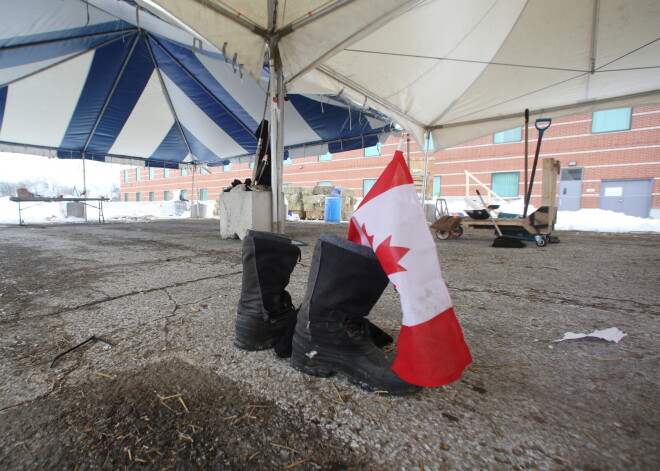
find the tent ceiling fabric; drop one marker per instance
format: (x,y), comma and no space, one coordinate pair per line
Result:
(104,79)
(461,69)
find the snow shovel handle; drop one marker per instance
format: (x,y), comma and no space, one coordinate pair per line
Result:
(541,125)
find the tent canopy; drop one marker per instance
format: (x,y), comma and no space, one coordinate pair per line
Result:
(108,81)
(458,69)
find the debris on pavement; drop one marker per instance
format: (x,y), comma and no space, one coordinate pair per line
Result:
(611,335)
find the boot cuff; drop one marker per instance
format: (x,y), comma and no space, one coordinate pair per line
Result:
(268,235)
(358,249)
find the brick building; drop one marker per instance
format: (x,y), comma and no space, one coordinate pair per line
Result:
(609,159)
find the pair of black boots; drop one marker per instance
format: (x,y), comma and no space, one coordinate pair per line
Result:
(329,333)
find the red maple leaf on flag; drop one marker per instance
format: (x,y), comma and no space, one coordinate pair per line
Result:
(389,256)
(366,234)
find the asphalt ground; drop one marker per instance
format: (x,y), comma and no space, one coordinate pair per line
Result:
(172,392)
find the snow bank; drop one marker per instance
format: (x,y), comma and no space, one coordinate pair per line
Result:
(39,213)
(43,213)
(603,221)
(583,220)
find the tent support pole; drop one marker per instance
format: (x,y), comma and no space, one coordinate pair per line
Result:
(84,185)
(408,148)
(427,141)
(195,186)
(276,140)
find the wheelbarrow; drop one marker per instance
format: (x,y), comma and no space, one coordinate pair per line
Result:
(446,225)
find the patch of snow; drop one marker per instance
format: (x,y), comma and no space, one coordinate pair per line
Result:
(601,220)
(597,220)
(44,213)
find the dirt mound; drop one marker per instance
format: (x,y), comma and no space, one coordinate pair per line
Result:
(169,416)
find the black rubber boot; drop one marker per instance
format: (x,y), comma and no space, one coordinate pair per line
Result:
(265,307)
(332,334)
(379,336)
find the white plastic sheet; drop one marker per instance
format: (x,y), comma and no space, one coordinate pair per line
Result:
(611,335)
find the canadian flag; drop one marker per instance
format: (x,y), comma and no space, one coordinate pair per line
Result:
(390,219)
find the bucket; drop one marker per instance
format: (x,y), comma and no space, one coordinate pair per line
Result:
(332,209)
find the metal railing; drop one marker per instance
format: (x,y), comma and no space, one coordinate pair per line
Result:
(490,194)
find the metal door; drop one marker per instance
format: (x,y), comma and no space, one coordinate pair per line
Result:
(631,197)
(570,189)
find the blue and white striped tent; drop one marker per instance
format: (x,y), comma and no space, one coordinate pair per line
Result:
(105,80)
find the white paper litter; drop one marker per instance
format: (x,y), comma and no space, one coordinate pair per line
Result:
(611,335)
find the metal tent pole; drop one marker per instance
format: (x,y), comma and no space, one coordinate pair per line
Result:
(195,193)
(276,139)
(195,184)
(427,140)
(281,218)
(84,186)
(408,149)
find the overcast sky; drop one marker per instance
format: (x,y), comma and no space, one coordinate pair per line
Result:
(19,167)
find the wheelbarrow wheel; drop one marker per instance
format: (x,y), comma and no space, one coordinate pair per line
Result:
(457,232)
(442,235)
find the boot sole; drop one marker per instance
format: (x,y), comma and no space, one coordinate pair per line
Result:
(253,334)
(323,368)
(252,347)
(311,367)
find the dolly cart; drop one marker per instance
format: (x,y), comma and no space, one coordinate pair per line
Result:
(538,226)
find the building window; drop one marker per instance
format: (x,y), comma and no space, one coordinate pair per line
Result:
(324,183)
(204,194)
(166,173)
(152,173)
(251,164)
(152,196)
(437,181)
(325,157)
(372,151)
(505,184)
(367,184)
(166,195)
(226,168)
(137,174)
(126,179)
(204,171)
(126,195)
(137,196)
(184,172)
(184,195)
(288,161)
(611,120)
(512,135)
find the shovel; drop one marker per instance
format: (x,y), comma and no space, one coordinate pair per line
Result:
(526,150)
(501,240)
(541,125)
